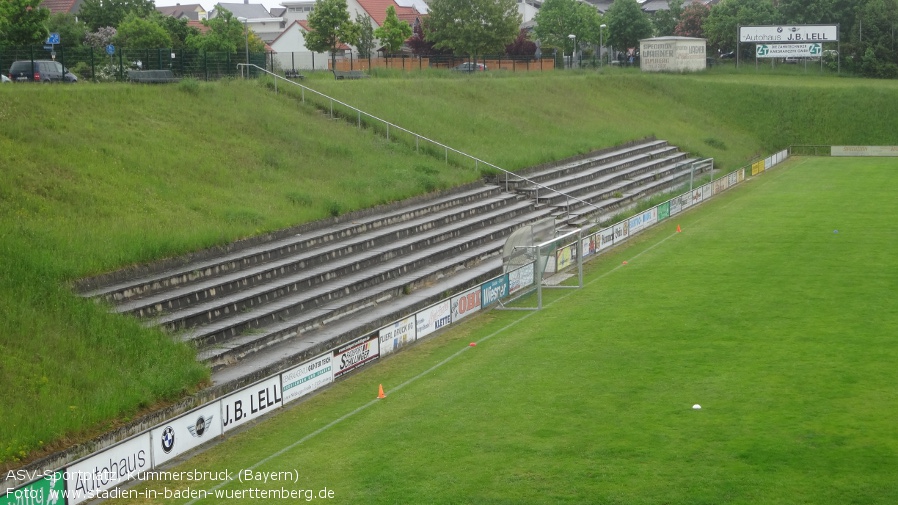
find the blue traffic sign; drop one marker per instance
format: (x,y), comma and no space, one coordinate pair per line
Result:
(110,49)
(53,38)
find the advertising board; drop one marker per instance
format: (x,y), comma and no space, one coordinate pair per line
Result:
(788,50)
(307,377)
(493,290)
(88,478)
(398,334)
(355,354)
(466,303)
(864,151)
(795,33)
(186,432)
(433,318)
(521,278)
(250,403)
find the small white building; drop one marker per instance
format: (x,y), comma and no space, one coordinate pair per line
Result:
(672,54)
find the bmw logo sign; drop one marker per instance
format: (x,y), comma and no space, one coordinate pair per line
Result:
(779,29)
(168,439)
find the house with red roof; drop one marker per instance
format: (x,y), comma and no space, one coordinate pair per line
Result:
(62,6)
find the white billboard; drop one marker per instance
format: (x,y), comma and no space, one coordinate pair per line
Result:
(788,50)
(400,333)
(864,151)
(185,432)
(120,463)
(433,318)
(250,402)
(800,33)
(521,278)
(308,377)
(355,354)
(466,303)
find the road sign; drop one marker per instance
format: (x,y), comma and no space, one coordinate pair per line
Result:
(53,39)
(110,49)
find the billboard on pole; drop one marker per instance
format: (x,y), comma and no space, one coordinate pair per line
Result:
(789,34)
(788,50)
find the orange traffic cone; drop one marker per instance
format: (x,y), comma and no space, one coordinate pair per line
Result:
(380,392)
(678,229)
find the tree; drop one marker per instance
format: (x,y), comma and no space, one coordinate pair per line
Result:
(100,38)
(364,41)
(558,19)
(71,31)
(143,33)
(178,30)
(330,26)
(418,41)
(25,22)
(724,19)
(522,45)
(99,13)
(393,32)
(665,20)
(691,21)
(627,24)
(879,19)
(473,27)
(226,34)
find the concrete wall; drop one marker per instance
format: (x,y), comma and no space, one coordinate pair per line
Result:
(672,54)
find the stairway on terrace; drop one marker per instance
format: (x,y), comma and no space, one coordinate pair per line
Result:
(257,307)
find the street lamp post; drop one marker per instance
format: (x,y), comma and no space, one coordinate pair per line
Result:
(574,50)
(601,44)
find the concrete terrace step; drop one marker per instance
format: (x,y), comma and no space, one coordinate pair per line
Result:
(159,279)
(579,164)
(608,177)
(457,251)
(423,229)
(367,308)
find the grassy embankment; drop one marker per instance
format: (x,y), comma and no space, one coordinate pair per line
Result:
(97,177)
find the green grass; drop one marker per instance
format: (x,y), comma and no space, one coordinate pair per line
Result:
(100,177)
(782,329)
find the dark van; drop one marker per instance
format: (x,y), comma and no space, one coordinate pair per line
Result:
(40,71)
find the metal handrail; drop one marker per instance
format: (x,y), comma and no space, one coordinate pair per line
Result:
(417,136)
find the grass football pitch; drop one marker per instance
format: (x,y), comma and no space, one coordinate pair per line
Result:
(774,309)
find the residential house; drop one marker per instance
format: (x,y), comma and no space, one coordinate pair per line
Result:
(190,12)
(257,17)
(62,6)
(291,52)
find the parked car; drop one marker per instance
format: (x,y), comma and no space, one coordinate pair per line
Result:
(40,71)
(470,67)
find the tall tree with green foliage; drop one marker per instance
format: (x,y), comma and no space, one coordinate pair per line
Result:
(473,27)
(25,22)
(627,24)
(178,30)
(99,13)
(665,20)
(877,27)
(723,21)
(143,33)
(364,40)
(557,20)
(330,26)
(691,21)
(393,32)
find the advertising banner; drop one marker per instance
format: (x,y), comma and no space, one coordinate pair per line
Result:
(185,432)
(492,291)
(663,211)
(48,490)
(707,191)
(468,302)
(356,354)
(676,206)
(696,195)
(524,276)
(621,231)
(795,33)
(864,151)
(307,377)
(399,334)
(732,179)
(433,318)
(250,403)
(564,257)
(89,478)
(589,246)
(768,162)
(606,238)
(788,50)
